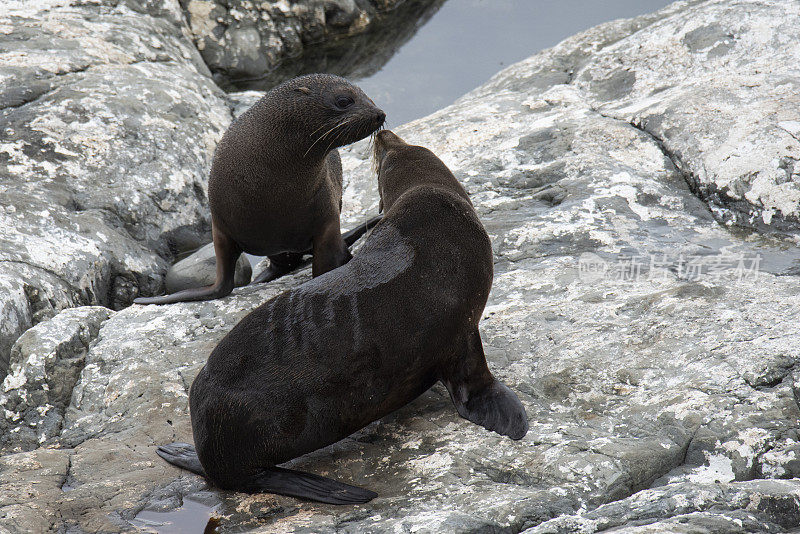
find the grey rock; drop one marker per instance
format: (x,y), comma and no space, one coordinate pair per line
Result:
(714,92)
(200,269)
(259,44)
(241,101)
(45,364)
(31,485)
(655,350)
(108,121)
(753,506)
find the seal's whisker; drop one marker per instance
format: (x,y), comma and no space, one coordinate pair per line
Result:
(345,129)
(332,128)
(337,125)
(340,125)
(338,135)
(318,129)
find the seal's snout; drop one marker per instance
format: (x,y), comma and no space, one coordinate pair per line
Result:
(378,118)
(387,138)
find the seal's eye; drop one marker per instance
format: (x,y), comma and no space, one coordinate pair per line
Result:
(344,102)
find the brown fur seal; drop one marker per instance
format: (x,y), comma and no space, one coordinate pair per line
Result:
(325,359)
(275,187)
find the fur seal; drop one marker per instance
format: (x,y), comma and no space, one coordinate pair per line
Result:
(320,361)
(275,187)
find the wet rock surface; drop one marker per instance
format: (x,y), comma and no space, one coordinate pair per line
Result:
(655,346)
(752,506)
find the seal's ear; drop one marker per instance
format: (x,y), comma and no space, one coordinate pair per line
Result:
(380,206)
(304,90)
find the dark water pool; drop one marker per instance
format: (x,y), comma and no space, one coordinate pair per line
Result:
(194,516)
(467,41)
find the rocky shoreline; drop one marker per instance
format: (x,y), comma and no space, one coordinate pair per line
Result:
(638,182)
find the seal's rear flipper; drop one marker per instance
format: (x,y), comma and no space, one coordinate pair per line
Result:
(183,455)
(352,236)
(307,486)
(227,252)
(480,397)
(276,479)
(284,263)
(279,265)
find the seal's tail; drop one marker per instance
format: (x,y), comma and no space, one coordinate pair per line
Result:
(307,486)
(276,479)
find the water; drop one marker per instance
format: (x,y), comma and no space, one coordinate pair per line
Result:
(192,516)
(468,41)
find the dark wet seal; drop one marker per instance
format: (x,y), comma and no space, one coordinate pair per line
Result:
(276,182)
(320,361)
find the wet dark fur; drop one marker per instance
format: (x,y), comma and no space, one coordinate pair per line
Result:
(321,361)
(275,187)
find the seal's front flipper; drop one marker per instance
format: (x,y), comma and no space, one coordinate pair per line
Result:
(307,486)
(276,479)
(183,455)
(481,398)
(495,408)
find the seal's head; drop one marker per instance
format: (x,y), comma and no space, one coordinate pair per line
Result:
(401,166)
(327,112)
